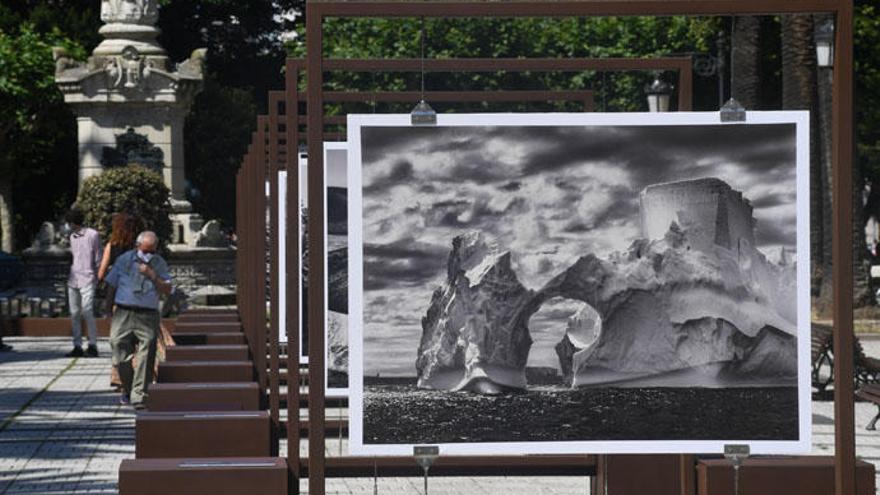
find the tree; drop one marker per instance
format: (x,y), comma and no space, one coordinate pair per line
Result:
(244,61)
(805,88)
(867,100)
(34,120)
(133,189)
(519,37)
(745,61)
(217,133)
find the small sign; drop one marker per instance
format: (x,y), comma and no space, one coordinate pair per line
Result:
(423,114)
(425,455)
(426,451)
(736,450)
(209,415)
(226,464)
(733,111)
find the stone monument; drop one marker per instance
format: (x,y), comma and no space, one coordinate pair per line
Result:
(131,102)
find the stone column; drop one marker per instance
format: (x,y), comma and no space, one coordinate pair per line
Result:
(129,84)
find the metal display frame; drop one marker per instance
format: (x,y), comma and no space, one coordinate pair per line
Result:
(842,157)
(279,132)
(269,150)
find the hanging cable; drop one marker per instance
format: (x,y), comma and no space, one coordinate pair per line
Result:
(422,58)
(423,114)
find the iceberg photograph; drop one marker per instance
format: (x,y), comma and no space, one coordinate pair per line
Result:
(336,326)
(336,268)
(534,288)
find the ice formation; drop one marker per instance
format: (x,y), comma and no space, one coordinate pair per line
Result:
(475,334)
(337,341)
(581,333)
(696,306)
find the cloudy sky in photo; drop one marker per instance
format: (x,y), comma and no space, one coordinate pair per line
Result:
(549,195)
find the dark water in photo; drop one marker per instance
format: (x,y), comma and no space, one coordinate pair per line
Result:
(404,414)
(337,379)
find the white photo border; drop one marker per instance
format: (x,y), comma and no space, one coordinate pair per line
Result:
(333,392)
(355,286)
(282,254)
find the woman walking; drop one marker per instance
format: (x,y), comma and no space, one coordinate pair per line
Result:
(124,230)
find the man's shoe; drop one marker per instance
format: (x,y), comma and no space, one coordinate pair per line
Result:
(125,399)
(5,348)
(92,351)
(76,352)
(139,406)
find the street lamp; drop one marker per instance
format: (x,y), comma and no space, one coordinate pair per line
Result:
(823,34)
(658,93)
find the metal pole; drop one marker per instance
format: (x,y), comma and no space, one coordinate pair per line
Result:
(292,265)
(426,480)
(842,195)
(314,37)
(843,147)
(274,275)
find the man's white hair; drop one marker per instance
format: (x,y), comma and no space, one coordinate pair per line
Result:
(147,235)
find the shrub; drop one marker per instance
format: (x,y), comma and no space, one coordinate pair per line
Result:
(133,189)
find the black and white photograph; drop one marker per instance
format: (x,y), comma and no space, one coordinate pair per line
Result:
(336,287)
(562,283)
(282,265)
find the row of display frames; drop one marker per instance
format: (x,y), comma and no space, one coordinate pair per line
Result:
(205,427)
(269,148)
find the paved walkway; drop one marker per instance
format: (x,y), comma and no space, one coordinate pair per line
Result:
(62,431)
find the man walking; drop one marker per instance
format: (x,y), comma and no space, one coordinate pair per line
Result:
(85,246)
(137,279)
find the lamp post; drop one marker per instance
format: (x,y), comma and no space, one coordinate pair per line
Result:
(823,34)
(658,93)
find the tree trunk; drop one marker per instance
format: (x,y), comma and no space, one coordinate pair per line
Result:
(744,57)
(799,93)
(7,230)
(863,293)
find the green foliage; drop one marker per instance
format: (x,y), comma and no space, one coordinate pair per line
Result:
(513,38)
(217,133)
(37,130)
(242,38)
(244,61)
(867,98)
(133,189)
(27,84)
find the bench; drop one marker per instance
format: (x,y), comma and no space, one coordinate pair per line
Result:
(865,369)
(821,342)
(871,392)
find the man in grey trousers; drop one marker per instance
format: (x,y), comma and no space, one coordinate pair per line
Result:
(137,279)
(85,246)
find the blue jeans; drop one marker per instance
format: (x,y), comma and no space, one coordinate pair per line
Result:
(82,302)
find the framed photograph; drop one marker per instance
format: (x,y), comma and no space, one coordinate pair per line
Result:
(579,283)
(302,282)
(336,268)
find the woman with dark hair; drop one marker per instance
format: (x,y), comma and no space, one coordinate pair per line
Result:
(123,233)
(124,229)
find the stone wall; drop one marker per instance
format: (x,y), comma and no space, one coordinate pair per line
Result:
(192,268)
(709,209)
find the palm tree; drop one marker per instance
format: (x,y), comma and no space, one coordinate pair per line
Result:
(802,86)
(744,60)
(799,93)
